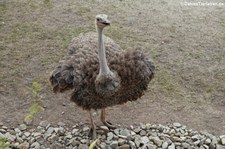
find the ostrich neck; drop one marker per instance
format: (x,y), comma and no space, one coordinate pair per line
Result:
(104,69)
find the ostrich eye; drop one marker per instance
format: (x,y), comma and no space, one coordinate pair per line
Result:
(98,19)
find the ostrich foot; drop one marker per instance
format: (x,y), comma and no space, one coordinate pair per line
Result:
(106,123)
(92,132)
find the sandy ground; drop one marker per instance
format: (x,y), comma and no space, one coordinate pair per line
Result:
(185,41)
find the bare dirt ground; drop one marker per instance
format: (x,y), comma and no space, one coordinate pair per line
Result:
(187,44)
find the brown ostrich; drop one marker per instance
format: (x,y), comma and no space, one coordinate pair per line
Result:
(100,73)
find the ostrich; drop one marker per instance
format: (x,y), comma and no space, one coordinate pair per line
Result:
(100,73)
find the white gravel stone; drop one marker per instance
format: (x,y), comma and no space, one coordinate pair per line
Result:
(61,124)
(24,145)
(125,132)
(10,137)
(165,145)
(172,146)
(43,123)
(27,134)
(156,140)
(104,128)
(178,125)
(50,130)
(114,144)
(110,136)
(35,145)
(22,127)
(223,141)
(144,140)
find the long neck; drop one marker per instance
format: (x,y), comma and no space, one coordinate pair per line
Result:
(104,69)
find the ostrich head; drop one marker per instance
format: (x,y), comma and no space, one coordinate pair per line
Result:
(107,82)
(102,21)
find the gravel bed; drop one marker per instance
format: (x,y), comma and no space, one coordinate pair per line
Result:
(143,136)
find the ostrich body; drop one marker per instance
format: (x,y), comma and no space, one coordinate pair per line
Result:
(100,73)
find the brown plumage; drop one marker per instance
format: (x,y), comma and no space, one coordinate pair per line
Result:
(130,72)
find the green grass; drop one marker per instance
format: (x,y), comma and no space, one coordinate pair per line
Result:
(4,144)
(36,101)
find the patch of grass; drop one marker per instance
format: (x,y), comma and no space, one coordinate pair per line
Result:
(83,10)
(35,107)
(166,84)
(4,143)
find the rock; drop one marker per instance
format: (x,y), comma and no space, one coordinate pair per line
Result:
(195,137)
(110,136)
(24,145)
(165,145)
(116,131)
(121,141)
(56,146)
(125,146)
(220,146)
(172,146)
(1,135)
(74,142)
(178,125)
(206,146)
(137,141)
(85,129)
(157,141)
(104,128)
(132,133)
(35,145)
(50,130)
(148,126)
(75,131)
(144,140)
(10,137)
(222,141)
(27,134)
(212,146)
(18,139)
(4,127)
(185,145)
(137,130)
(2,131)
(142,133)
(43,123)
(151,146)
(36,134)
(61,124)
(114,144)
(207,141)
(197,142)
(18,131)
(125,132)
(53,138)
(132,144)
(61,131)
(82,146)
(22,127)
(84,141)
(172,131)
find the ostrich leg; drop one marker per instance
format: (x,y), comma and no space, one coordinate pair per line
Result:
(106,123)
(92,125)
